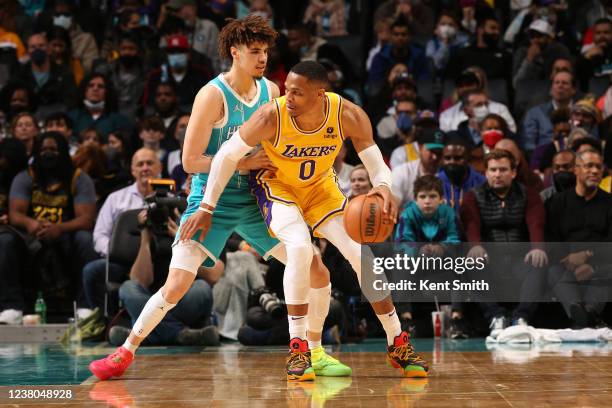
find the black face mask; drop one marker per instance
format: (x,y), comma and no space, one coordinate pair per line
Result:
(49,160)
(38,57)
(129,61)
(564,180)
(455,173)
(491,40)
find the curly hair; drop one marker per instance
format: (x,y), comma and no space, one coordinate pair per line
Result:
(246,31)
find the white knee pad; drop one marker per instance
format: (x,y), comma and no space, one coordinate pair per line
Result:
(188,256)
(318,307)
(154,311)
(296,280)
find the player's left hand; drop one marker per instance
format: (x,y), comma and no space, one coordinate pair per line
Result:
(200,220)
(389,204)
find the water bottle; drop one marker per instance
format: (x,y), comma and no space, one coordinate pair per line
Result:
(40,308)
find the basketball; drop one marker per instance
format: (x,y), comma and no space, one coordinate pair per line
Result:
(364,220)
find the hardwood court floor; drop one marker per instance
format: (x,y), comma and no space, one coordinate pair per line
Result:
(464,374)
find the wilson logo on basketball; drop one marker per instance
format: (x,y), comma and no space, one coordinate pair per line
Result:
(371,220)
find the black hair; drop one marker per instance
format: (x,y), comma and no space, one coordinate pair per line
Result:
(593,143)
(401,22)
(561,115)
(110,100)
(312,70)
(603,20)
(65,167)
(60,33)
(57,117)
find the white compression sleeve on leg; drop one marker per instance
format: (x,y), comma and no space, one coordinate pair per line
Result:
(290,228)
(333,230)
(223,166)
(318,307)
(153,313)
(379,172)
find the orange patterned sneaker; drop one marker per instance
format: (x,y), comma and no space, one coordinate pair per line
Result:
(113,365)
(299,366)
(402,355)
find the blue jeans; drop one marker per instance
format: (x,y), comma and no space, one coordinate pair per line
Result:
(193,310)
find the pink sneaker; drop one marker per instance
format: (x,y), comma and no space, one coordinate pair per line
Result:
(113,365)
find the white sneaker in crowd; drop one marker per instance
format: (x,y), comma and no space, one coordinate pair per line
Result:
(11,316)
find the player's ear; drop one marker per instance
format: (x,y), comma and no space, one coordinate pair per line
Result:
(321,93)
(234,52)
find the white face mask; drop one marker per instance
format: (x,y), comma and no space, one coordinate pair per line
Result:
(480,112)
(62,21)
(447,31)
(94,105)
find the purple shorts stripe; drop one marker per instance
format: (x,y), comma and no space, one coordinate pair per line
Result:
(329,215)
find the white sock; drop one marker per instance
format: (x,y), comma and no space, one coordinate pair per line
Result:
(314,344)
(297,327)
(390,322)
(130,346)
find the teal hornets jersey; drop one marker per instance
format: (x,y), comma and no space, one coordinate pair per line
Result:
(237,111)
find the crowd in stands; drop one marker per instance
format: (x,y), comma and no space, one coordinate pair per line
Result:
(493,116)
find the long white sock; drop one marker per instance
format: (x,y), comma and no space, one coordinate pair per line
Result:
(153,312)
(297,327)
(391,324)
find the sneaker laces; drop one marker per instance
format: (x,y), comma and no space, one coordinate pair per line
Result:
(406,352)
(298,359)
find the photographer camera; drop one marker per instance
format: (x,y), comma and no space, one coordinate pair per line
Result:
(184,324)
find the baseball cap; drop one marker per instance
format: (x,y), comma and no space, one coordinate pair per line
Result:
(177,41)
(541,26)
(431,138)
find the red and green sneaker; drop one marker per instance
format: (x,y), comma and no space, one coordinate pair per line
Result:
(113,365)
(402,355)
(299,366)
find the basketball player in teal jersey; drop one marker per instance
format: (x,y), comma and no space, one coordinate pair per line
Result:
(219,109)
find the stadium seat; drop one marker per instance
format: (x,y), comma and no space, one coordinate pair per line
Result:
(122,250)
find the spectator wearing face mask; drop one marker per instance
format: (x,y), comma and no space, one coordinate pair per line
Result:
(202,33)
(17,97)
(127,74)
(407,123)
(396,130)
(97,108)
(457,176)
(485,53)
(452,117)
(476,107)
(84,46)
(188,77)
(447,41)
(563,177)
(54,85)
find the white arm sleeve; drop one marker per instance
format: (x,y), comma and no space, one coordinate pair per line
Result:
(223,166)
(373,161)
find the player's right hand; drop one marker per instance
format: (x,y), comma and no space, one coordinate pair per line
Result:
(256,161)
(199,220)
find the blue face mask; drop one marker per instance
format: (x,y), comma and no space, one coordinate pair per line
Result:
(177,60)
(404,122)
